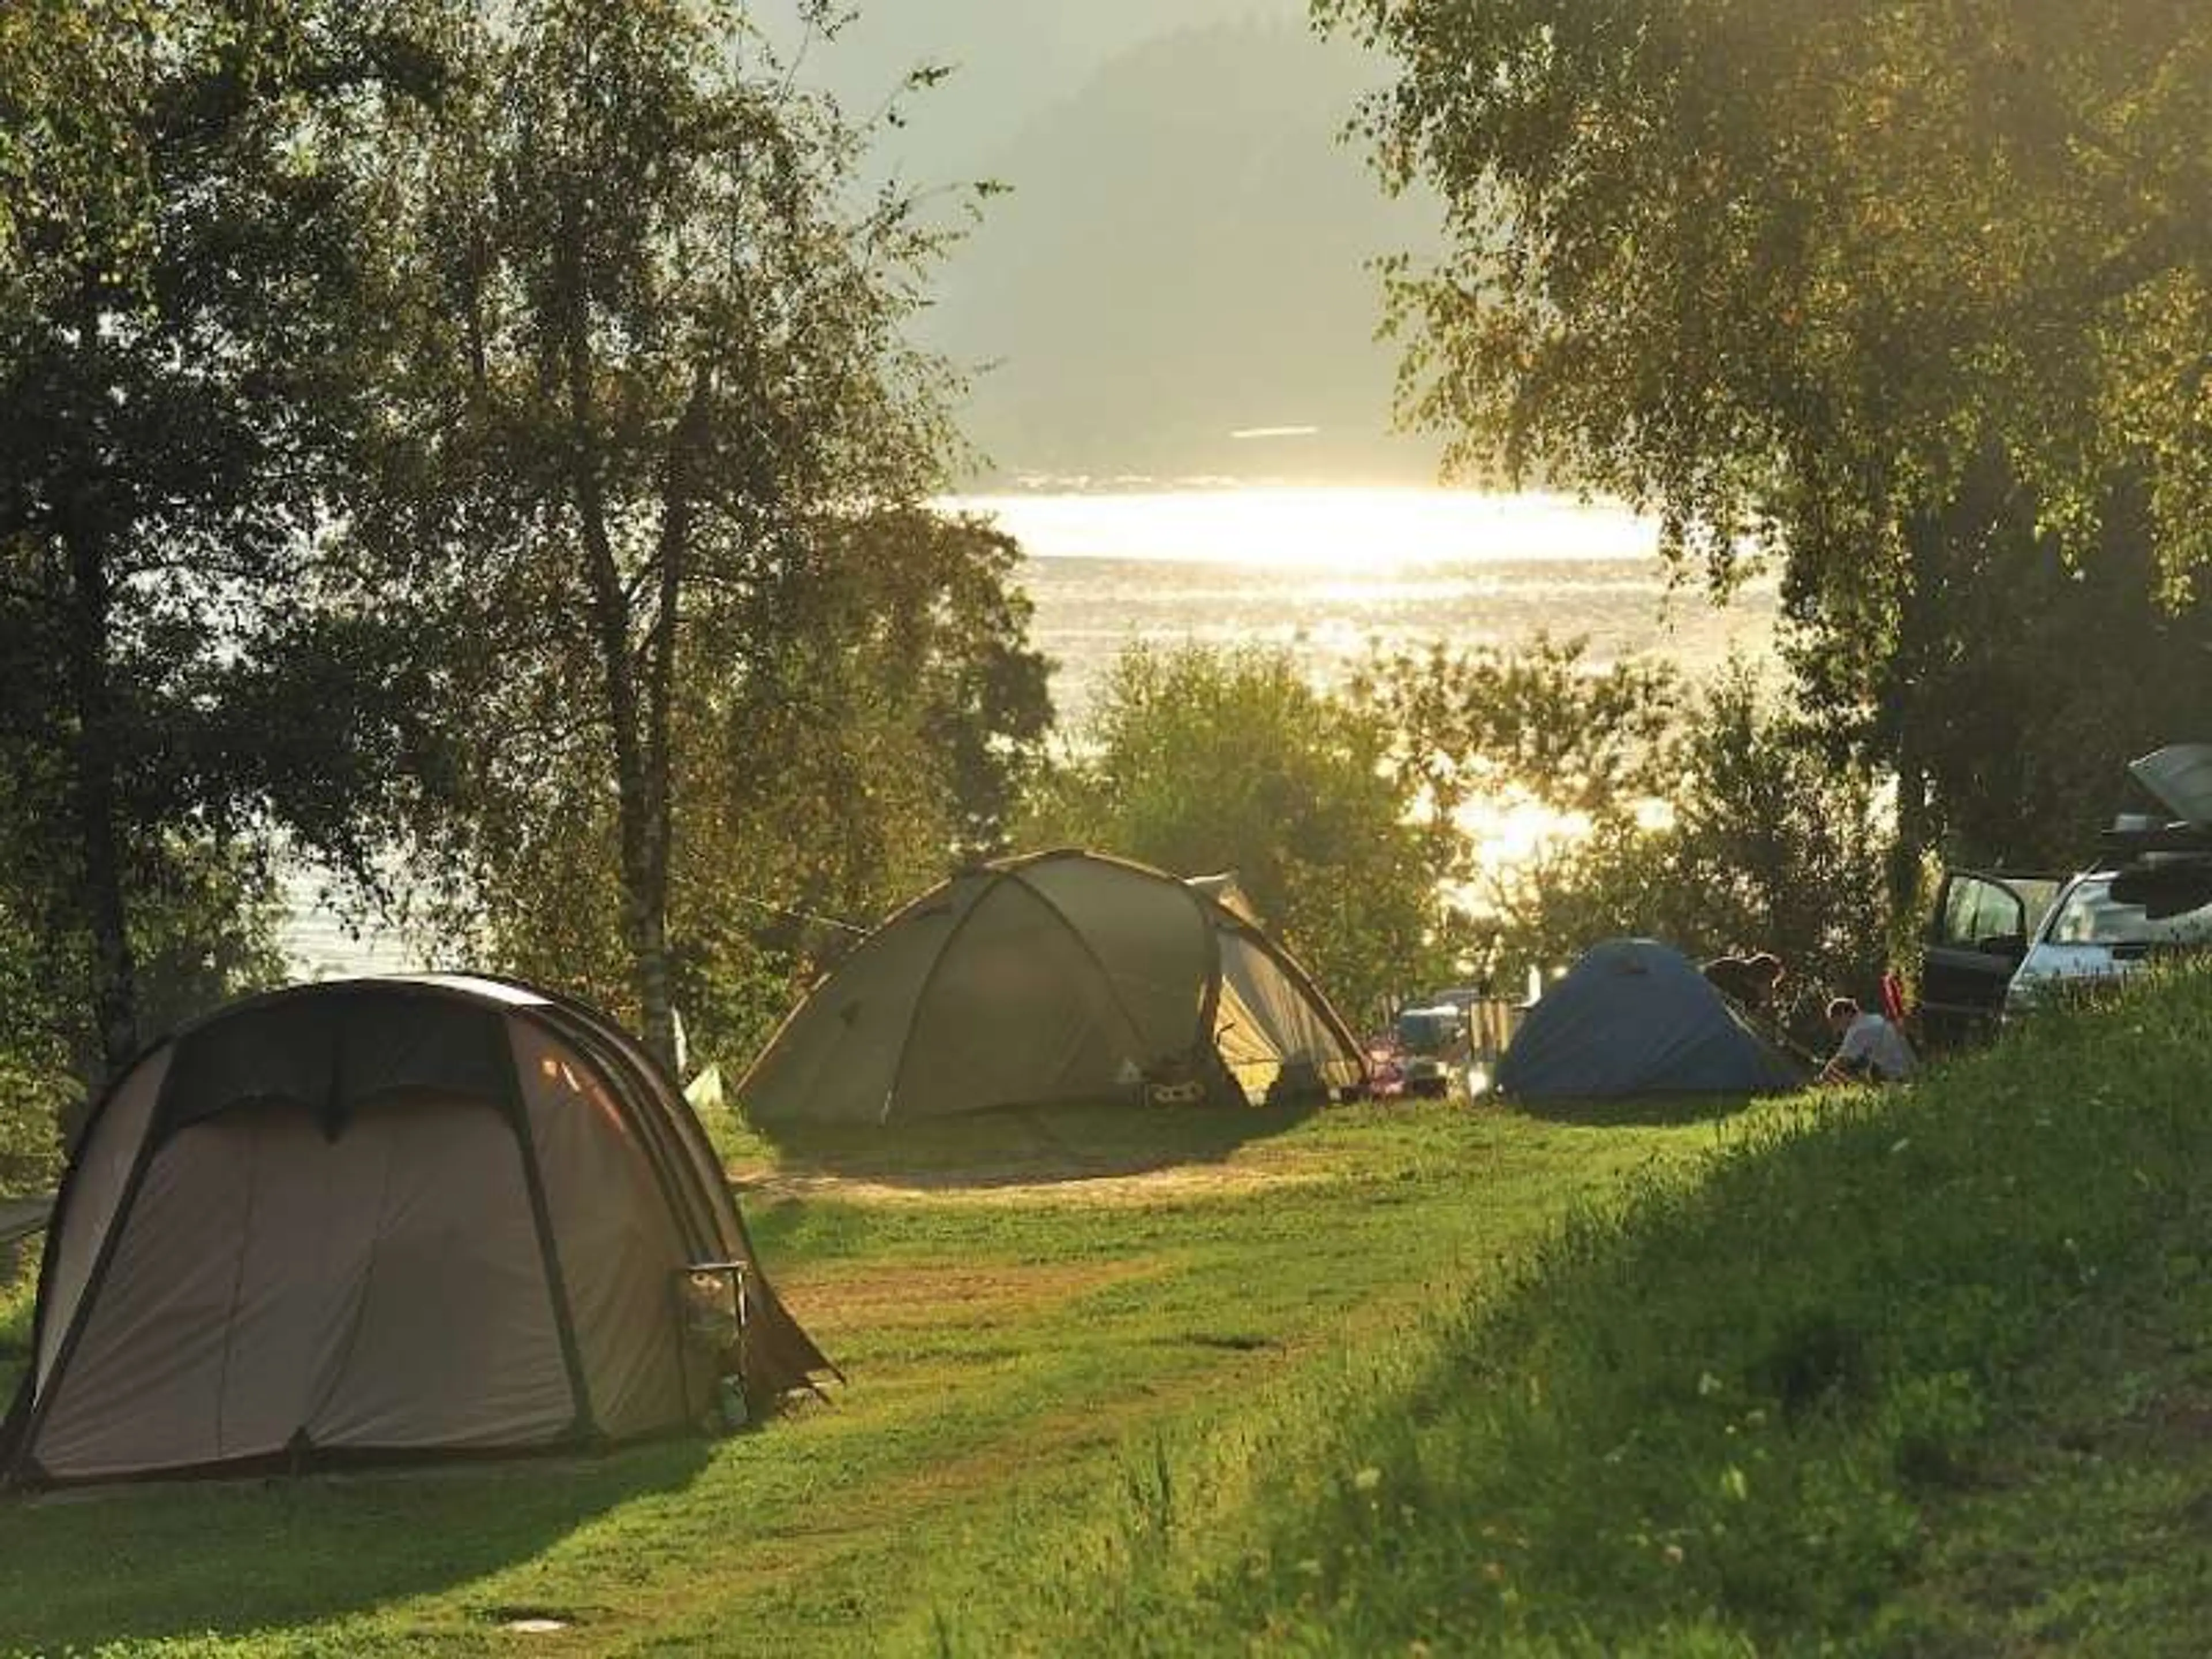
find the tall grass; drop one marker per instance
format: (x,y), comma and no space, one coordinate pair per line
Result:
(1713,1419)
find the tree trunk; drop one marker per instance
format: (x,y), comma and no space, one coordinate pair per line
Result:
(642,808)
(115,968)
(641,784)
(1925,535)
(641,761)
(1911,847)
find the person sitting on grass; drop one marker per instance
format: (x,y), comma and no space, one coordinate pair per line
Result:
(1871,1049)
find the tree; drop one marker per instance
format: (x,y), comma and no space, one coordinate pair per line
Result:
(1867,288)
(660,419)
(865,754)
(1706,817)
(1758,842)
(658,395)
(187,326)
(1536,726)
(1198,761)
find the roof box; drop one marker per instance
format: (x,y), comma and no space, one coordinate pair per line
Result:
(2180,777)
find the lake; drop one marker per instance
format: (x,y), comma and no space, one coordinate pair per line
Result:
(1325,573)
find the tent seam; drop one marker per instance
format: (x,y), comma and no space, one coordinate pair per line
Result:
(929,982)
(237,1290)
(1106,973)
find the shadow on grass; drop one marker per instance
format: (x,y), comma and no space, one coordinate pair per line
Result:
(134,1563)
(1025,1147)
(1634,1112)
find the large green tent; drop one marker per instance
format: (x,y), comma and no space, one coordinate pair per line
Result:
(1057,977)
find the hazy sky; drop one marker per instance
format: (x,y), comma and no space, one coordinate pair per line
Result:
(1183,259)
(1013,59)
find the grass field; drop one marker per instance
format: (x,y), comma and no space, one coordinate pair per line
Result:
(1922,1373)
(1039,1317)
(1925,1373)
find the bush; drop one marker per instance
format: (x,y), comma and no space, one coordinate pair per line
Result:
(1199,760)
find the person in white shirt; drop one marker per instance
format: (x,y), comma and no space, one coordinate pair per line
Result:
(1872,1051)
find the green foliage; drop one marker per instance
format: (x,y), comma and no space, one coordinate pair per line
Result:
(36,1054)
(1678,293)
(653,484)
(187,339)
(203,929)
(2027,680)
(1908,298)
(1708,818)
(1536,724)
(865,754)
(1199,761)
(1758,841)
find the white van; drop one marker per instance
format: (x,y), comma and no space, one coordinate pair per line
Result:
(2000,944)
(2094,935)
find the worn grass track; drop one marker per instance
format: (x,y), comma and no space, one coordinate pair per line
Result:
(1029,1310)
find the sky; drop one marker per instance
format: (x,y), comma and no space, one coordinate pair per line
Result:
(1011,58)
(1179,284)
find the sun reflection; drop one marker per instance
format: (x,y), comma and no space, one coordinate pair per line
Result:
(1317,528)
(1508,835)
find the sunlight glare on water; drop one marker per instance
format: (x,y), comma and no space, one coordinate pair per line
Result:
(1316,528)
(1331,574)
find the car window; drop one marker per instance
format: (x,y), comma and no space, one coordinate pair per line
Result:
(2039,894)
(1975,909)
(2090,915)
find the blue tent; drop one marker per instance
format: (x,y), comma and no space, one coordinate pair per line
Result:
(1635,1018)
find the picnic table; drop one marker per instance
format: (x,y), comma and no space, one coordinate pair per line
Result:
(22,1216)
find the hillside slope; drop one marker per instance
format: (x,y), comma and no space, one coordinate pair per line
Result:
(1926,1373)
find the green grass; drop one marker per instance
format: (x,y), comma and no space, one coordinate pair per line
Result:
(1921,1373)
(1029,1309)
(1926,1373)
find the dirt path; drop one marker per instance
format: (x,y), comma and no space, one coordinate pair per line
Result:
(989,1185)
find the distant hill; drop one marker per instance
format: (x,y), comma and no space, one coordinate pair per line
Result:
(1184,254)
(1011,59)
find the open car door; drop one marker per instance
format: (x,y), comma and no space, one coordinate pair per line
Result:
(1975,941)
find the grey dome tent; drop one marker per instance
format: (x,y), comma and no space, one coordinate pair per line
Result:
(1057,977)
(1635,1018)
(387,1217)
